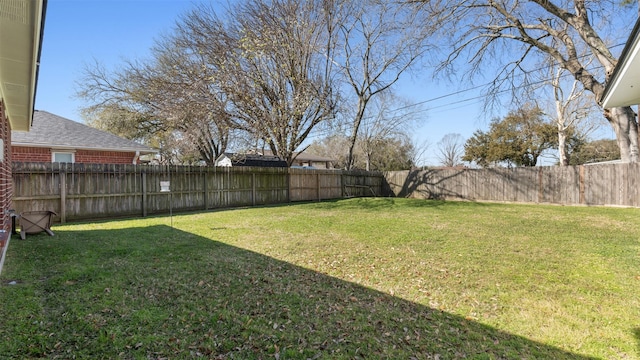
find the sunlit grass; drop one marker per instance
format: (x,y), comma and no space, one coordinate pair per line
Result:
(359,278)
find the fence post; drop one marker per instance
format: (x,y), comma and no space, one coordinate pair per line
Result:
(582,187)
(144,192)
(318,186)
(63,195)
(540,188)
(204,188)
(253,188)
(288,184)
(227,187)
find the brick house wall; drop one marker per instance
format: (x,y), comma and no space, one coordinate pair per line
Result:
(34,154)
(6,181)
(28,154)
(104,157)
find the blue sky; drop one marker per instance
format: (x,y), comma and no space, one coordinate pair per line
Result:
(77,32)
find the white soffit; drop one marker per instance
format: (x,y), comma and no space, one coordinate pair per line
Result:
(624,87)
(20,27)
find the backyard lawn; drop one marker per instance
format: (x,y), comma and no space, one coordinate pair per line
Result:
(358,278)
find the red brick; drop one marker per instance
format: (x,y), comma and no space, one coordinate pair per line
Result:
(30,154)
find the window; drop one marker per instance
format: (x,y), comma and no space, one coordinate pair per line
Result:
(65,157)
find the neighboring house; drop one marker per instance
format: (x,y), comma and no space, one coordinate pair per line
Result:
(257,160)
(266,158)
(313,161)
(623,88)
(53,138)
(21,27)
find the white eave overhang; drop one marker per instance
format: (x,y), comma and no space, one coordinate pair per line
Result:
(21,26)
(623,88)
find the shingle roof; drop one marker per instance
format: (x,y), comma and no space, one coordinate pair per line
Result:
(49,130)
(312,157)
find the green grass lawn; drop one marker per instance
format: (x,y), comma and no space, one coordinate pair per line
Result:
(358,278)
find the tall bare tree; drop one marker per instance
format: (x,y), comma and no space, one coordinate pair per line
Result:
(572,114)
(385,122)
(519,34)
(169,95)
(267,70)
(272,61)
(380,42)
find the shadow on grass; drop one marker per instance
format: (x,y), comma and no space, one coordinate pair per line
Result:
(384,204)
(157,292)
(636,332)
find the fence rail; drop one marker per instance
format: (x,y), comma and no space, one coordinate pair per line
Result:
(91,191)
(604,184)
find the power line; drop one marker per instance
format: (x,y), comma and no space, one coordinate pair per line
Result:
(470,99)
(489,84)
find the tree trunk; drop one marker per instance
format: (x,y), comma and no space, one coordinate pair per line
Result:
(368,159)
(623,121)
(562,146)
(362,102)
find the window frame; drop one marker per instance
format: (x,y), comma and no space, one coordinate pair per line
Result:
(68,152)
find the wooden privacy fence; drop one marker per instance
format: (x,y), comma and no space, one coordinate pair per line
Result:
(82,191)
(603,184)
(93,191)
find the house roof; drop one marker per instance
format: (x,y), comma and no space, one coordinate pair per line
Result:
(255,160)
(53,131)
(267,159)
(21,28)
(311,157)
(623,88)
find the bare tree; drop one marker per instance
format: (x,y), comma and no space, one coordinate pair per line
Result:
(520,34)
(272,61)
(451,150)
(385,122)
(169,95)
(572,114)
(193,103)
(420,149)
(380,42)
(266,71)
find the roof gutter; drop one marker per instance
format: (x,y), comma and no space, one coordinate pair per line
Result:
(38,56)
